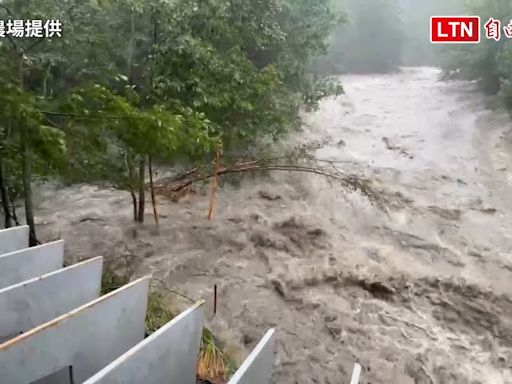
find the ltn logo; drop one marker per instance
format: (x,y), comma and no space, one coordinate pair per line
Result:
(455,29)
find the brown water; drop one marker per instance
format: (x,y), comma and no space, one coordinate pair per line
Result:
(421,295)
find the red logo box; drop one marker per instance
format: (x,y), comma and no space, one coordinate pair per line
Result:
(455,29)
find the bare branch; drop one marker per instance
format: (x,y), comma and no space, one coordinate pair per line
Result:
(7,10)
(349,181)
(33,45)
(87,117)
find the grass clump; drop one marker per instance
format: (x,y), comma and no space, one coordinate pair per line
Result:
(159,312)
(214,365)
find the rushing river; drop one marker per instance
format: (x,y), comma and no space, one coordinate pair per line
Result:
(418,295)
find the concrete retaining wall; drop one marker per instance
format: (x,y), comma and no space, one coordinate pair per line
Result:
(55,330)
(168,356)
(13,239)
(28,304)
(86,339)
(257,368)
(32,262)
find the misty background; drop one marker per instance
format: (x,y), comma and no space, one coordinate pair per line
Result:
(380,36)
(377,36)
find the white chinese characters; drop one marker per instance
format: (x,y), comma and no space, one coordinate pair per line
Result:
(493,29)
(30,28)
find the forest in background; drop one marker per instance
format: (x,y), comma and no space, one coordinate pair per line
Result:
(378,36)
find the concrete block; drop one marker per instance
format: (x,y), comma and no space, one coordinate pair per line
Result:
(257,368)
(28,263)
(169,355)
(86,339)
(13,239)
(356,373)
(28,304)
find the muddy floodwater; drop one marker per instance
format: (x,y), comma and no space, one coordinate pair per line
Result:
(418,295)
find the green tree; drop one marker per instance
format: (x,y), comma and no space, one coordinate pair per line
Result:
(132,81)
(482,62)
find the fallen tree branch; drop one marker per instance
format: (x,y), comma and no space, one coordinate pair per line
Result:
(165,288)
(352,182)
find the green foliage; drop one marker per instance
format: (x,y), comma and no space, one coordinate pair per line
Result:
(158,312)
(132,79)
(485,62)
(505,64)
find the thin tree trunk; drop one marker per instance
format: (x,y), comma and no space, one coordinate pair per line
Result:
(152,186)
(214,184)
(142,192)
(5,198)
(135,208)
(132,193)
(129,60)
(131,183)
(27,169)
(14,215)
(129,72)
(27,189)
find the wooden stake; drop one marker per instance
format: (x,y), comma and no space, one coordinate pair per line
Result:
(215,299)
(216,166)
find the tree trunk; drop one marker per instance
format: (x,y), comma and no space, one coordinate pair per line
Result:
(27,189)
(153,195)
(27,169)
(131,186)
(135,207)
(5,197)
(14,215)
(142,191)
(216,166)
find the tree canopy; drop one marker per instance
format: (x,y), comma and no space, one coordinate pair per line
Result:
(131,80)
(486,62)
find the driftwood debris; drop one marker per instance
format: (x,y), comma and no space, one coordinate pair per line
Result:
(175,187)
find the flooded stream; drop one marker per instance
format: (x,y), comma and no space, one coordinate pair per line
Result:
(418,295)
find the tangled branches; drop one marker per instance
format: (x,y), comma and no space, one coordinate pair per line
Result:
(325,168)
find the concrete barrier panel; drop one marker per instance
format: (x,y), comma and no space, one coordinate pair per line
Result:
(167,356)
(84,340)
(28,263)
(13,239)
(356,373)
(26,305)
(257,368)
